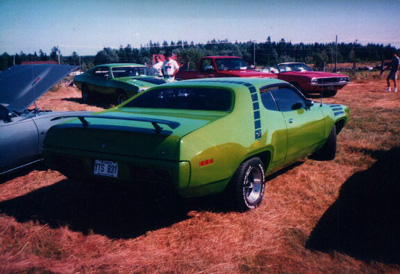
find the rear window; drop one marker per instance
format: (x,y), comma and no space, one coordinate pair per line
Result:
(185,98)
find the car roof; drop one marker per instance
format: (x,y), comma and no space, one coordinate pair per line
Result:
(121,65)
(21,85)
(222,57)
(290,63)
(226,82)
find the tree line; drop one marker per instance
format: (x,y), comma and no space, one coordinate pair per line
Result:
(267,53)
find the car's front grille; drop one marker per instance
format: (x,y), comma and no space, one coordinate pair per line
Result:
(330,80)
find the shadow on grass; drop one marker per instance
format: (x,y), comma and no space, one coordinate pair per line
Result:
(113,210)
(365,220)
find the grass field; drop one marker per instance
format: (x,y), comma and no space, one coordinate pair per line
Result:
(341,216)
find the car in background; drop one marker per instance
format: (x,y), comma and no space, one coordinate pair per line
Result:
(200,137)
(222,66)
(116,81)
(22,129)
(309,81)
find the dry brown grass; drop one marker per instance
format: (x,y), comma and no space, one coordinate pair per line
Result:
(318,217)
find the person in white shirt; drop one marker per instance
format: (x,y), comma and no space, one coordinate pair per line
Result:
(169,68)
(158,65)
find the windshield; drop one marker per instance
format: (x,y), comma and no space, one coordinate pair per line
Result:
(184,98)
(132,71)
(294,67)
(231,64)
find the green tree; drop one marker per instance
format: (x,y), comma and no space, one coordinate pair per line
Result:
(55,54)
(107,55)
(5,61)
(190,57)
(74,59)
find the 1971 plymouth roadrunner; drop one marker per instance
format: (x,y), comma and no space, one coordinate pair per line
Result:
(222,66)
(22,124)
(199,136)
(309,81)
(118,81)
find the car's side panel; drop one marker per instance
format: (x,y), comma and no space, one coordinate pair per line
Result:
(305,131)
(18,142)
(218,148)
(100,84)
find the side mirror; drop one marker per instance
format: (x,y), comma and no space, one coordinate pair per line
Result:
(309,103)
(297,105)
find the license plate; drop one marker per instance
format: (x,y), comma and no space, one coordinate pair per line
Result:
(105,168)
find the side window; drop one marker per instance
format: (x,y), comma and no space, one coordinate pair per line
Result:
(287,99)
(102,72)
(268,101)
(207,65)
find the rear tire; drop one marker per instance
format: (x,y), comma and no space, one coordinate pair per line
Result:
(248,185)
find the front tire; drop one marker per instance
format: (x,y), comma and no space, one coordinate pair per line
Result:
(328,151)
(86,94)
(248,185)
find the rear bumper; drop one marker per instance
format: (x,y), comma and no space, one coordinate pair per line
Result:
(136,171)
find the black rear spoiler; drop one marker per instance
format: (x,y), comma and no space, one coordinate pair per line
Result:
(154,122)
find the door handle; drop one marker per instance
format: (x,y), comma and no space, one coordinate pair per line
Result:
(291,120)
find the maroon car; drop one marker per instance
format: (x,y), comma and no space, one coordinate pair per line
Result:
(309,81)
(222,66)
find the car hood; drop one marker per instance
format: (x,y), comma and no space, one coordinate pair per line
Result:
(136,136)
(21,85)
(313,74)
(248,73)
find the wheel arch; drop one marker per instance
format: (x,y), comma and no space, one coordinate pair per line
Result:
(265,157)
(339,125)
(120,90)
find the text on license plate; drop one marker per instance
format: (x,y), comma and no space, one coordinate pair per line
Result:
(105,168)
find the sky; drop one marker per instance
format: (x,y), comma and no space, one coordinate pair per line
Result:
(87,26)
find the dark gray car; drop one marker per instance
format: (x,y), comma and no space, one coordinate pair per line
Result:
(22,130)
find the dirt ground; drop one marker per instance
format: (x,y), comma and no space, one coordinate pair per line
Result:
(339,216)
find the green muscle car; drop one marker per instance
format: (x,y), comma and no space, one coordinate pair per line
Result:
(199,136)
(118,81)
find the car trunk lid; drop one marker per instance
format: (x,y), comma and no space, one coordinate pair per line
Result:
(129,133)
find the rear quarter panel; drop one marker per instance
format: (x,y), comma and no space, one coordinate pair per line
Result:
(217,149)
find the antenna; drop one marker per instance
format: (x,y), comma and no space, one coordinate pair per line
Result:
(322,92)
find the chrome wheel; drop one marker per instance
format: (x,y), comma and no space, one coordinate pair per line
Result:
(253,185)
(248,184)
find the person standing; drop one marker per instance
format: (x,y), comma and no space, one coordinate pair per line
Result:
(394,67)
(158,65)
(170,67)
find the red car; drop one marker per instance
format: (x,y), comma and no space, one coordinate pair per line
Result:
(309,81)
(222,66)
